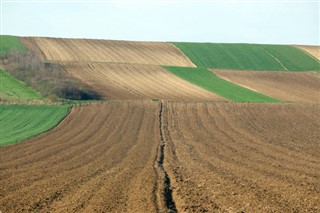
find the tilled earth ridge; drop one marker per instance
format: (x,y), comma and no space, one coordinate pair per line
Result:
(101,158)
(132,81)
(232,157)
(287,86)
(89,50)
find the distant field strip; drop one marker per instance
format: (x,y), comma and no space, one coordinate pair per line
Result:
(131,82)
(289,86)
(86,50)
(13,90)
(312,50)
(209,81)
(10,44)
(248,56)
(22,122)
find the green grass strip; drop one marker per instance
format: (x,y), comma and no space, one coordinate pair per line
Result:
(11,43)
(248,57)
(18,123)
(211,82)
(12,89)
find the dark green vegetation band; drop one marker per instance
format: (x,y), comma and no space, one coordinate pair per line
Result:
(248,57)
(211,82)
(18,123)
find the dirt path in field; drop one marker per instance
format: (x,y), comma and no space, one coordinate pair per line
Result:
(312,50)
(231,157)
(130,82)
(288,86)
(100,158)
(88,50)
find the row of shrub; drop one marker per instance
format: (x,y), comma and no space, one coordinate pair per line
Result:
(49,79)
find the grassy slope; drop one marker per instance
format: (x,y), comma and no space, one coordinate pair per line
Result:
(248,56)
(12,89)
(22,122)
(10,43)
(213,83)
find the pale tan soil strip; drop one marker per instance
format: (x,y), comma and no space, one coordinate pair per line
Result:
(312,50)
(130,82)
(288,86)
(243,157)
(86,50)
(100,158)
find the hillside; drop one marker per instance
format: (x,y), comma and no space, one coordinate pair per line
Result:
(89,50)
(248,57)
(13,90)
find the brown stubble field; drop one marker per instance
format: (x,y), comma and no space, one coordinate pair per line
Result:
(87,50)
(287,86)
(134,81)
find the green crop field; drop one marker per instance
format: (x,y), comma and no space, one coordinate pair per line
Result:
(10,43)
(12,89)
(211,82)
(22,122)
(248,56)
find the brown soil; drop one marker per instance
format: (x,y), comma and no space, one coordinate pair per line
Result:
(101,158)
(87,50)
(132,81)
(230,157)
(127,156)
(288,86)
(312,50)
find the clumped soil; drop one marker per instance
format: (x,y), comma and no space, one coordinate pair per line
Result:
(243,157)
(217,157)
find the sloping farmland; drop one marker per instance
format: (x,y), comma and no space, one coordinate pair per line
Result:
(289,86)
(130,82)
(101,158)
(88,50)
(236,157)
(312,50)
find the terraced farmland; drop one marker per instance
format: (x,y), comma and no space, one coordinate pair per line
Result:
(232,157)
(86,50)
(131,82)
(209,81)
(21,122)
(289,86)
(248,57)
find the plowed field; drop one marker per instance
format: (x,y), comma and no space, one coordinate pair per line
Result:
(130,81)
(231,157)
(100,158)
(123,156)
(68,50)
(312,50)
(289,86)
